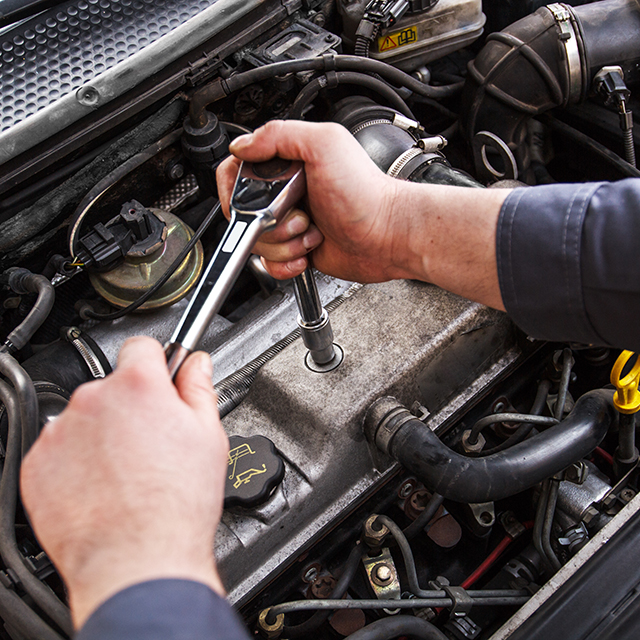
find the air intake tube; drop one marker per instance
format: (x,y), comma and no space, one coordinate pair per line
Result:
(548,59)
(401,435)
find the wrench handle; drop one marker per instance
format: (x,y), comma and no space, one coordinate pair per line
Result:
(214,286)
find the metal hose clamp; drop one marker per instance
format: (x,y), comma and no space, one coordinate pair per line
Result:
(569,37)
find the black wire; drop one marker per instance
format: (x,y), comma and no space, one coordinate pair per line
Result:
(586,141)
(165,276)
(309,93)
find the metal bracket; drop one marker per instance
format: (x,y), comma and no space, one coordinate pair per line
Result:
(383,577)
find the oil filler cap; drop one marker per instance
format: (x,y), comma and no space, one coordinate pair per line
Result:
(255,470)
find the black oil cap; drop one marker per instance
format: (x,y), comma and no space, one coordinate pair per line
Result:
(255,470)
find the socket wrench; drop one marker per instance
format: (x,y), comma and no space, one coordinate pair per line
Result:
(262,195)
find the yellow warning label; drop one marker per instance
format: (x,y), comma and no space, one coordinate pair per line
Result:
(398,39)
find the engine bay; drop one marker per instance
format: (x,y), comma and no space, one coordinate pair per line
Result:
(440,465)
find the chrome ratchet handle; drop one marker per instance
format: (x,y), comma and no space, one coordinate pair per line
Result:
(262,195)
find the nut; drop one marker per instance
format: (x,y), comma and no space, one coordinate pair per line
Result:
(472,448)
(374,534)
(274,630)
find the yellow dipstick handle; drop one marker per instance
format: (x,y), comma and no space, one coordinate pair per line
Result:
(627,397)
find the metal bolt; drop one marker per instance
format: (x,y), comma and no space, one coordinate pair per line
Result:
(73,333)
(382,574)
(406,489)
(176,171)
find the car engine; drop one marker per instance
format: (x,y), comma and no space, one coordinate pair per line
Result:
(438,469)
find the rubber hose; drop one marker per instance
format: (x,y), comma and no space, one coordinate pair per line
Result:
(11,556)
(500,475)
(524,71)
(26,282)
(393,627)
(221,88)
(311,90)
(27,398)
(17,615)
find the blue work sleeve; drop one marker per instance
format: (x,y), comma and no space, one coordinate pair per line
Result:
(568,262)
(164,610)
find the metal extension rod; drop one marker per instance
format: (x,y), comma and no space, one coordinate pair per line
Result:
(313,319)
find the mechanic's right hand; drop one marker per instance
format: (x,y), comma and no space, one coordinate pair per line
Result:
(349,199)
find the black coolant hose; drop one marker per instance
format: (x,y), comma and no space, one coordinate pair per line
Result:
(406,626)
(23,282)
(11,556)
(547,59)
(402,436)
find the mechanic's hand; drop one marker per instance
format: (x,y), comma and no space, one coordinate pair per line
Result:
(349,199)
(126,485)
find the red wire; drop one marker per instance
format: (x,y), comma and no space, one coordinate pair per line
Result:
(491,558)
(488,562)
(607,457)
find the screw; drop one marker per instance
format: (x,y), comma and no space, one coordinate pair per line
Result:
(627,494)
(329,38)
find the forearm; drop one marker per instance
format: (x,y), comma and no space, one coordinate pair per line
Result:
(447,236)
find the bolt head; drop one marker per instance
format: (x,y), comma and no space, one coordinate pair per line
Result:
(382,574)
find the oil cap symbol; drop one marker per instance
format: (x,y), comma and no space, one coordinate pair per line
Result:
(255,470)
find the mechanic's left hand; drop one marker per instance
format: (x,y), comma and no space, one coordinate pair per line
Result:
(126,485)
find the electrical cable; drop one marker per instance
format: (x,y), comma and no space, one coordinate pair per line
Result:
(223,87)
(11,556)
(586,141)
(311,90)
(319,617)
(488,562)
(412,575)
(165,276)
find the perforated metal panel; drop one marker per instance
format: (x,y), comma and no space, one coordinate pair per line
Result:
(59,51)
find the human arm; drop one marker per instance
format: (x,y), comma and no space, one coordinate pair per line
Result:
(126,485)
(370,227)
(561,259)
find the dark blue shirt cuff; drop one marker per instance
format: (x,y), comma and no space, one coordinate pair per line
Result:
(539,253)
(164,610)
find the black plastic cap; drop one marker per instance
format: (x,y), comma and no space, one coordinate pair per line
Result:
(255,470)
